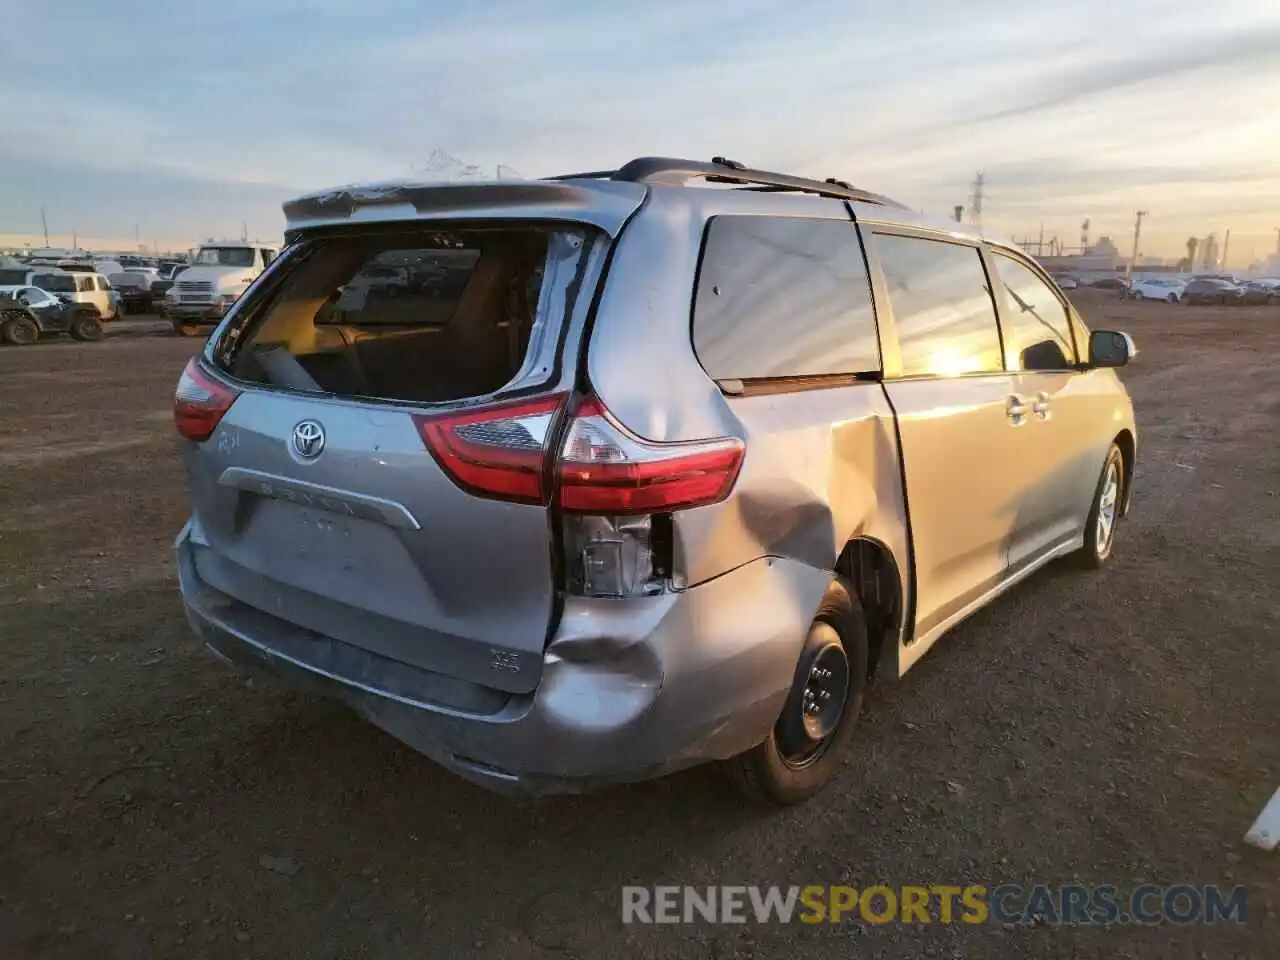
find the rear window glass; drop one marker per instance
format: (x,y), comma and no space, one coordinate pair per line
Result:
(411,315)
(783,298)
(11,278)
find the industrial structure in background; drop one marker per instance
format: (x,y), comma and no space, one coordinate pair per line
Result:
(1091,260)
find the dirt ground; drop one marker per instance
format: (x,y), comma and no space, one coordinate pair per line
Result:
(1116,727)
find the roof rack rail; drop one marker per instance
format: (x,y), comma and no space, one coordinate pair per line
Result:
(672,172)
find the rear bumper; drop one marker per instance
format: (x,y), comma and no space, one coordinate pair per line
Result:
(630,689)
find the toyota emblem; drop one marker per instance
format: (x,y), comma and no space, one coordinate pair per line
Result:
(308,439)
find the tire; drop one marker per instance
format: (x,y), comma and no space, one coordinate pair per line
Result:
(20,331)
(86,329)
(1139,295)
(790,766)
(1173,298)
(1108,495)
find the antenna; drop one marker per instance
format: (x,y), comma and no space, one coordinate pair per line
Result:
(44,223)
(975,201)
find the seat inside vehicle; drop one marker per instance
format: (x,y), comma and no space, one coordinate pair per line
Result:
(423,318)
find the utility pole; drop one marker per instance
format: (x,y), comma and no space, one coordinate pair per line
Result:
(959,214)
(1226,245)
(45,223)
(1137,232)
(1277,241)
(975,204)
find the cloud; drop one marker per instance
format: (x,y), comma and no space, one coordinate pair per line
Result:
(1084,110)
(1241,52)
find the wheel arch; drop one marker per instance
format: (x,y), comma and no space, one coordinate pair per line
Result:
(875,574)
(1129,452)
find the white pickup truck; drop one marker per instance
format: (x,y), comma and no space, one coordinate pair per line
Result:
(218,274)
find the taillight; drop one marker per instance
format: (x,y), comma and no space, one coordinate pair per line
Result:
(498,452)
(617,492)
(605,471)
(200,403)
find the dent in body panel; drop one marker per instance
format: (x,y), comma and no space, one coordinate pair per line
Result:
(821,469)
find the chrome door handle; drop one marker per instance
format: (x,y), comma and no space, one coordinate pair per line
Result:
(1016,410)
(1041,406)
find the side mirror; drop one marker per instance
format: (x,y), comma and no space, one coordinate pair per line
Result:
(1110,348)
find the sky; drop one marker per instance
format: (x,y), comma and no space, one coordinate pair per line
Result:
(169,123)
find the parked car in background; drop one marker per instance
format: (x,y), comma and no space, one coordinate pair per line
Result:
(82,287)
(19,275)
(27,313)
(1108,283)
(553,547)
(134,288)
(1158,288)
(1261,291)
(1210,290)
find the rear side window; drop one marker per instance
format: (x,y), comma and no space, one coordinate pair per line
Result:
(1037,332)
(84,284)
(942,306)
(783,298)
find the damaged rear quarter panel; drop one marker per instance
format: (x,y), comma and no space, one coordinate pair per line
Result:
(821,469)
(822,465)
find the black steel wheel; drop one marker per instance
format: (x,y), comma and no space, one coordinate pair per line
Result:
(806,745)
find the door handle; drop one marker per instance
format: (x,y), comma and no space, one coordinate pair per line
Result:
(1016,410)
(1041,406)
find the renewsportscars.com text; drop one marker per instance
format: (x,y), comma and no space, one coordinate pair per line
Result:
(1005,903)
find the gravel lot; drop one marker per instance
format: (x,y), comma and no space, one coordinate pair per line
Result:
(1107,728)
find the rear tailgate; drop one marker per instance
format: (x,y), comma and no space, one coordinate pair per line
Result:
(368,541)
(321,505)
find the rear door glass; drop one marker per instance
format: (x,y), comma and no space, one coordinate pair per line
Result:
(783,297)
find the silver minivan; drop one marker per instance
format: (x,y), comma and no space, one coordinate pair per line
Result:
(634,470)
